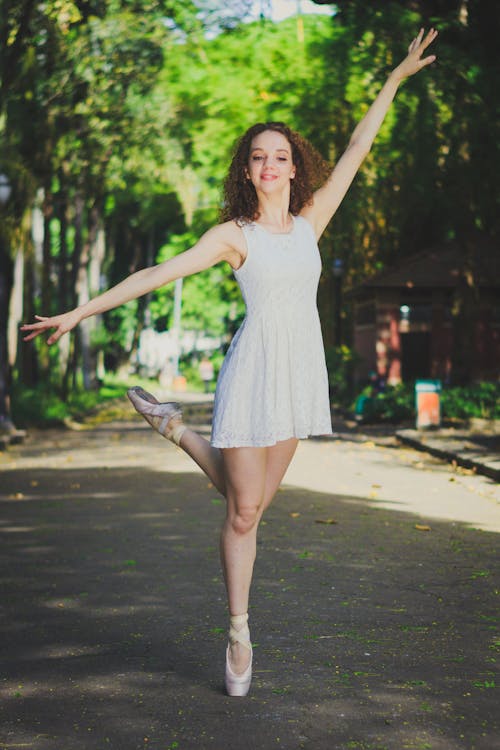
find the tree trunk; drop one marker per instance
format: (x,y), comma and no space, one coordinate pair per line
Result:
(16,307)
(28,364)
(83,295)
(61,208)
(47,211)
(97,243)
(6,279)
(466,304)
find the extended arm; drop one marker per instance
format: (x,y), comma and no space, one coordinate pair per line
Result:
(328,198)
(216,245)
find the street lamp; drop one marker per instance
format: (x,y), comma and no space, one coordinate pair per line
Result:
(5,189)
(338,270)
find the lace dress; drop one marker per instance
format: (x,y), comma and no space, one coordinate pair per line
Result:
(273,384)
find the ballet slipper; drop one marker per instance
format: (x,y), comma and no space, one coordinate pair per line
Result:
(238,685)
(159,415)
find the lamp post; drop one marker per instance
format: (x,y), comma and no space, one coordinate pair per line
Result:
(338,270)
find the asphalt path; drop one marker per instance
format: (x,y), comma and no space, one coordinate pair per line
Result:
(374,607)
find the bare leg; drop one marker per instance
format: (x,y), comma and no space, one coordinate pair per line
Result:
(208,458)
(248,478)
(166,418)
(252,477)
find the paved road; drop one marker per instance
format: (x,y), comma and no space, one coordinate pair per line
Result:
(375,602)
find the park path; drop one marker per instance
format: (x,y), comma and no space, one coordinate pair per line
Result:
(374,617)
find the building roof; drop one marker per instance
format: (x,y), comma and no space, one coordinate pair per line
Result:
(441,267)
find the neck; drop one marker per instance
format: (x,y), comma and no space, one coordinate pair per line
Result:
(274,213)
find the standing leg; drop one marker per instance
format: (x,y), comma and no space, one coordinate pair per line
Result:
(252,477)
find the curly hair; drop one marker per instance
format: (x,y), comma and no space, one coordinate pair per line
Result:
(240,197)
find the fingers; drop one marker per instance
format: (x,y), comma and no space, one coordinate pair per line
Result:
(35,329)
(32,326)
(431,35)
(60,323)
(34,332)
(427,60)
(419,44)
(416,42)
(31,336)
(52,338)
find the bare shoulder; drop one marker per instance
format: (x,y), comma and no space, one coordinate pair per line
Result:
(229,237)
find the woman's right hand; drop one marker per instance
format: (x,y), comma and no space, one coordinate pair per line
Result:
(62,323)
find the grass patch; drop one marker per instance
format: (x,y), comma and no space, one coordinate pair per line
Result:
(43,406)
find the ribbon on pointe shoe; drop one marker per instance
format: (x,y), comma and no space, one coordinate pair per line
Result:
(151,409)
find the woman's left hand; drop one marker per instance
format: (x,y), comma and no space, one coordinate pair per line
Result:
(414,61)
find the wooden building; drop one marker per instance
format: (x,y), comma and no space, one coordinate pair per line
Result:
(429,313)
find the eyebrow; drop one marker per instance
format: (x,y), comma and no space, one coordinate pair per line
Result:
(259,148)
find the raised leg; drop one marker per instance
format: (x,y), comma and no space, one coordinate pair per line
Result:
(208,458)
(166,418)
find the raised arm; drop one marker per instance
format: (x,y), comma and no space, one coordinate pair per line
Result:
(220,243)
(328,198)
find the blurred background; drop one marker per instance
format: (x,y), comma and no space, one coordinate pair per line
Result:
(117,123)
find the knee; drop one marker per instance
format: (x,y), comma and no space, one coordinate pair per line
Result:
(245,520)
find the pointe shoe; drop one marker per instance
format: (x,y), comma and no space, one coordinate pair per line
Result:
(238,685)
(158,415)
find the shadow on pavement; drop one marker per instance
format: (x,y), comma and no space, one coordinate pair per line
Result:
(369,633)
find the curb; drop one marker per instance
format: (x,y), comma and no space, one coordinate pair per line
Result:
(11,438)
(483,463)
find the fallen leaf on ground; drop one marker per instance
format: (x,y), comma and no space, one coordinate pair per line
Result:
(326,520)
(16,496)
(422,527)
(376,486)
(294,515)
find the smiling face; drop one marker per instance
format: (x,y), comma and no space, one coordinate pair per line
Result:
(270,166)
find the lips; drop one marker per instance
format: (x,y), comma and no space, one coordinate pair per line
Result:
(269,177)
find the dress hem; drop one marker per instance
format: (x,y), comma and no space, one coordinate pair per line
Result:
(267,443)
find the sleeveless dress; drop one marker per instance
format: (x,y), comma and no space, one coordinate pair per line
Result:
(273,384)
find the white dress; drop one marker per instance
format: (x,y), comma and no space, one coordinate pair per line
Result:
(273,384)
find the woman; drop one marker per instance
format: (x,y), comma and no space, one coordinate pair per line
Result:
(272,389)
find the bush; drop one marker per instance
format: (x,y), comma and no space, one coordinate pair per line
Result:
(394,404)
(340,362)
(478,400)
(43,407)
(397,403)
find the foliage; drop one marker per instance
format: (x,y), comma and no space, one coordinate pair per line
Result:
(121,117)
(43,407)
(340,362)
(397,403)
(479,400)
(206,297)
(394,404)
